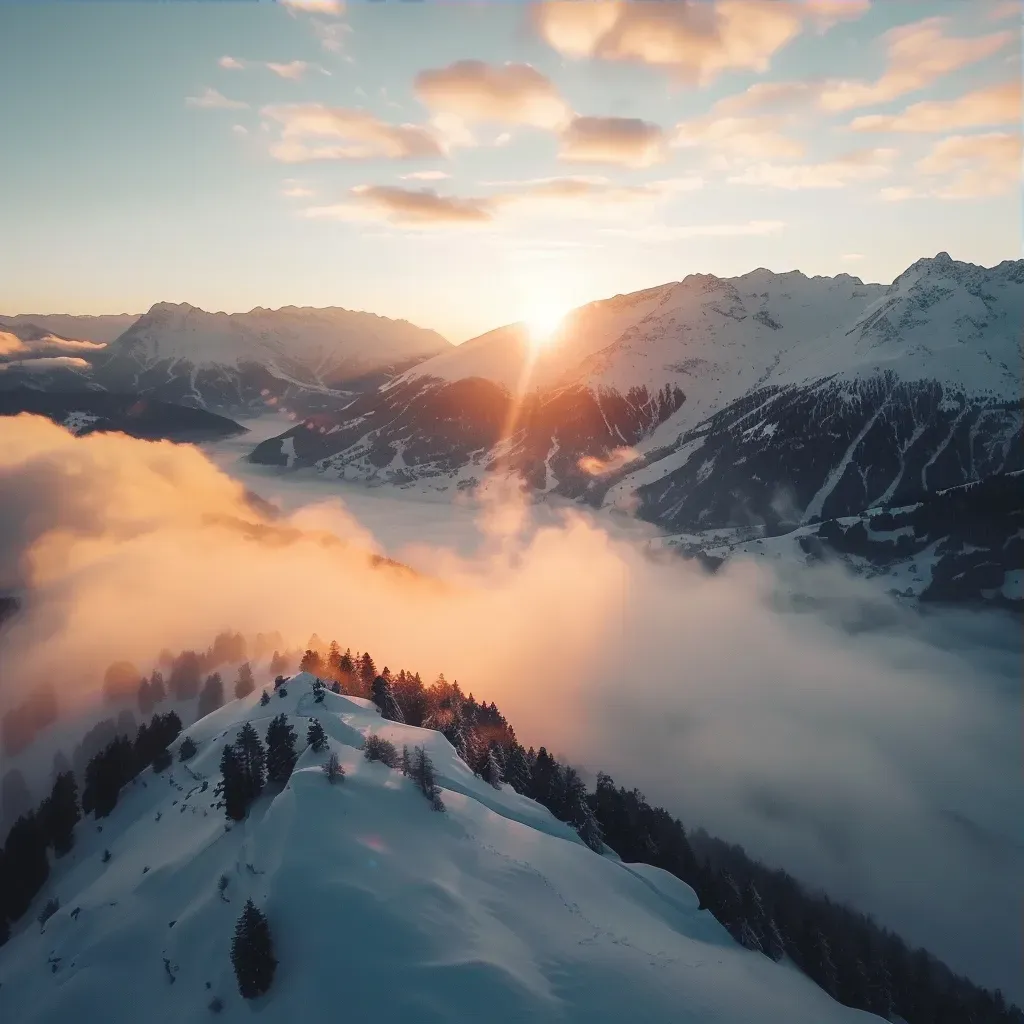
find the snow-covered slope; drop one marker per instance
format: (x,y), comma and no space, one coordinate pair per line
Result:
(243,360)
(380,909)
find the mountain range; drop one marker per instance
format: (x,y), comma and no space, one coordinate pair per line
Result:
(751,406)
(302,359)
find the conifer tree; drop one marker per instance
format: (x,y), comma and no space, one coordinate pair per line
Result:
(311,662)
(62,813)
(244,684)
(335,687)
(144,697)
(406,762)
(252,952)
(423,775)
(315,736)
(281,756)
(157,690)
(187,750)
(492,771)
(26,866)
(383,696)
(517,769)
(776,942)
(332,769)
(234,786)
(367,672)
(253,760)
(211,697)
(334,660)
(264,699)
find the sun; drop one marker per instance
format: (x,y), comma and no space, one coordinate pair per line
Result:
(543,321)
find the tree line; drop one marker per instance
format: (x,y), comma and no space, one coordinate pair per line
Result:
(766,910)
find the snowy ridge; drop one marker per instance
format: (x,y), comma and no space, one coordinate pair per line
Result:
(240,360)
(380,909)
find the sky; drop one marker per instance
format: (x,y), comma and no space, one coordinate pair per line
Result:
(467,165)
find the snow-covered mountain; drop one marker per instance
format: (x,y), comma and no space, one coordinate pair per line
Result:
(304,358)
(102,329)
(766,400)
(379,908)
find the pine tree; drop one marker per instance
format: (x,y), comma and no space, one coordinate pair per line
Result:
(315,736)
(26,866)
(252,952)
(264,699)
(423,775)
(383,696)
(211,697)
(244,684)
(311,662)
(367,672)
(62,813)
(335,687)
(187,750)
(281,756)
(334,660)
(376,748)
(157,690)
(144,697)
(492,772)
(406,762)
(332,769)
(253,760)
(517,769)
(776,941)
(233,787)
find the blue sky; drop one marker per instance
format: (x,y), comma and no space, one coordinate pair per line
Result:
(559,153)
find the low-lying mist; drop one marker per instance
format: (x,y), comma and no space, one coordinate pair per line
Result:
(866,748)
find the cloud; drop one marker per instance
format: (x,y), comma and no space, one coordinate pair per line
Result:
(44,363)
(975,166)
(506,93)
(425,176)
(293,70)
(354,135)
(502,140)
(29,343)
(620,457)
(759,702)
(331,34)
(294,189)
(406,207)
(863,165)
(565,196)
(656,233)
(330,7)
(996,104)
(696,42)
(918,54)
(211,99)
(739,137)
(231,63)
(627,141)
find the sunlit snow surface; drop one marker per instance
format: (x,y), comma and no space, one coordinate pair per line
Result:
(380,908)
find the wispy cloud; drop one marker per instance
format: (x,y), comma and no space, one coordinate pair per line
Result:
(407,207)
(328,7)
(479,92)
(917,55)
(974,166)
(295,189)
(739,137)
(996,104)
(331,34)
(557,196)
(627,141)
(339,133)
(211,99)
(862,165)
(231,63)
(425,176)
(293,70)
